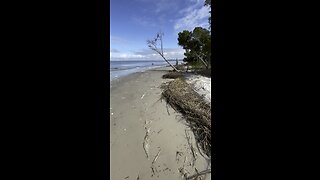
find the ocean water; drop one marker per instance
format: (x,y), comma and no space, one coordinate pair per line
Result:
(123,68)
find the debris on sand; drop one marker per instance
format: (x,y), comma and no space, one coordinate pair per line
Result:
(194,154)
(198,174)
(178,153)
(172,75)
(146,142)
(194,109)
(143,96)
(156,157)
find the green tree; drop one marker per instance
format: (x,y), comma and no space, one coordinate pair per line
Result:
(197,45)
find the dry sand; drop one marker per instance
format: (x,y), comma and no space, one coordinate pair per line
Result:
(201,85)
(164,152)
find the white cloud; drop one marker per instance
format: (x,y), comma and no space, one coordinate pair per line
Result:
(125,56)
(194,4)
(195,15)
(157,13)
(147,54)
(144,21)
(164,5)
(117,40)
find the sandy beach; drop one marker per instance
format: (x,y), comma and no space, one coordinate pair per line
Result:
(148,138)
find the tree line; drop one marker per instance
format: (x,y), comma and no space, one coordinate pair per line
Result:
(196,43)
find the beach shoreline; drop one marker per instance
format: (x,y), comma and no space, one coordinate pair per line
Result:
(148,138)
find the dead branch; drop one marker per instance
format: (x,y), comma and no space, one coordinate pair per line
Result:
(152,44)
(191,148)
(203,61)
(197,113)
(156,157)
(199,174)
(145,143)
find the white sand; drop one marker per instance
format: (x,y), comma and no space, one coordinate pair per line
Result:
(135,110)
(202,85)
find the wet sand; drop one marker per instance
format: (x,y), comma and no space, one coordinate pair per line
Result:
(148,138)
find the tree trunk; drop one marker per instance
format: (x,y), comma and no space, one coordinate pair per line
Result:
(169,63)
(203,61)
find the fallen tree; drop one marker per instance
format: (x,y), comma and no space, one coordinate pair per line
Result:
(152,44)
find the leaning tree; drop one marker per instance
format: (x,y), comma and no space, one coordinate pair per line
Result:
(197,44)
(153,45)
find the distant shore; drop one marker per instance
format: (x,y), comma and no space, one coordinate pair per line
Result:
(147,138)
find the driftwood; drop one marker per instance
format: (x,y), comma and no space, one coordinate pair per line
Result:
(195,176)
(143,96)
(197,112)
(145,143)
(172,75)
(184,172)
(191,148)
(156,157)
(152,164)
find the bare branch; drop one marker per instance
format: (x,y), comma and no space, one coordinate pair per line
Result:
(199,174)
(152,44)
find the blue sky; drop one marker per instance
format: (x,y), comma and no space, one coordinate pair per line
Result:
(133,22)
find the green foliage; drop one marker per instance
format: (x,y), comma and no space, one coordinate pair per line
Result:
(196,43)
(207,3)
(196,65)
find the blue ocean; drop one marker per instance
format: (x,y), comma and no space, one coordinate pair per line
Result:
(123,68)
